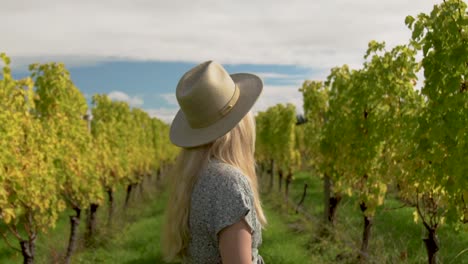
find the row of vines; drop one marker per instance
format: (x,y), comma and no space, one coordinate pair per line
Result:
(367,130)
(55,154)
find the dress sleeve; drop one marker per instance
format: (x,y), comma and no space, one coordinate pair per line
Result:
(231,201)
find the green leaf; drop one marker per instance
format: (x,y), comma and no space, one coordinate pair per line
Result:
(409,20)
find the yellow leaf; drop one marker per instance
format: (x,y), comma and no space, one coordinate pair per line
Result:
(415,216)
(7,215)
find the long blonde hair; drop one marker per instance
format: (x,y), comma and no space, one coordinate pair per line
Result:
(236,148)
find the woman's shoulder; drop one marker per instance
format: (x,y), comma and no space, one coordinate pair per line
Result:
(219,178)
(223,173)
(222,184)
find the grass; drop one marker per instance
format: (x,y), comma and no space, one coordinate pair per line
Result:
(289,237)
(135,243)
(286,237)
(395,237)
(139,242)
(116,245)
(49,246)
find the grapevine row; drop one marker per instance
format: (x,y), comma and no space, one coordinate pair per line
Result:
(370,129)
(54,156)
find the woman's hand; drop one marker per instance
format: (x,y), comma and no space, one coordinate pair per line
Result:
(235,243)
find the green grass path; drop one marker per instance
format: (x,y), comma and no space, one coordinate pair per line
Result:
(139,242)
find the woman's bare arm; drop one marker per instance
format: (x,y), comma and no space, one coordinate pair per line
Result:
(235,243)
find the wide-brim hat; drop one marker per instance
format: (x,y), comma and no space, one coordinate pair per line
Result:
(212,102)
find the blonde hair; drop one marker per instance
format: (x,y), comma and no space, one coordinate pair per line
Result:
(236,148)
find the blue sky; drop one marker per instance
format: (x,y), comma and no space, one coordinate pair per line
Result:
(151,85)
(137,50)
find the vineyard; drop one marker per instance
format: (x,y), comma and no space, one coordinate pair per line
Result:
(368,135)
(369,132)
(56,155)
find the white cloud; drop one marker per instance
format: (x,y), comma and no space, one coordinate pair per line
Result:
(317,34)
(22,62)
(319,75)
(272,95)
(279,76)
(170,98)
(121,96)
(163,113)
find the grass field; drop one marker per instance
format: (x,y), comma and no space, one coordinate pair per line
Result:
(289,237)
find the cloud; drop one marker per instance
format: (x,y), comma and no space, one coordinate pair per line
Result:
(277,78)
(276,75)
(166,114)
(276,94)
(316,34)
(170,98)
(22,62)
(121,96)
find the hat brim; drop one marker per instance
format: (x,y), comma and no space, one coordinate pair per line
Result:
(181,134)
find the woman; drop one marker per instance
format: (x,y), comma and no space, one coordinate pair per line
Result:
(214,214)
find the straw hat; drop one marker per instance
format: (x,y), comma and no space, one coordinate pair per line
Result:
(211,102)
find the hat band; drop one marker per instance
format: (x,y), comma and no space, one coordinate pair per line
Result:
(219,114)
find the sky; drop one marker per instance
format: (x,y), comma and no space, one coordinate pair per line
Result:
(136,50)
